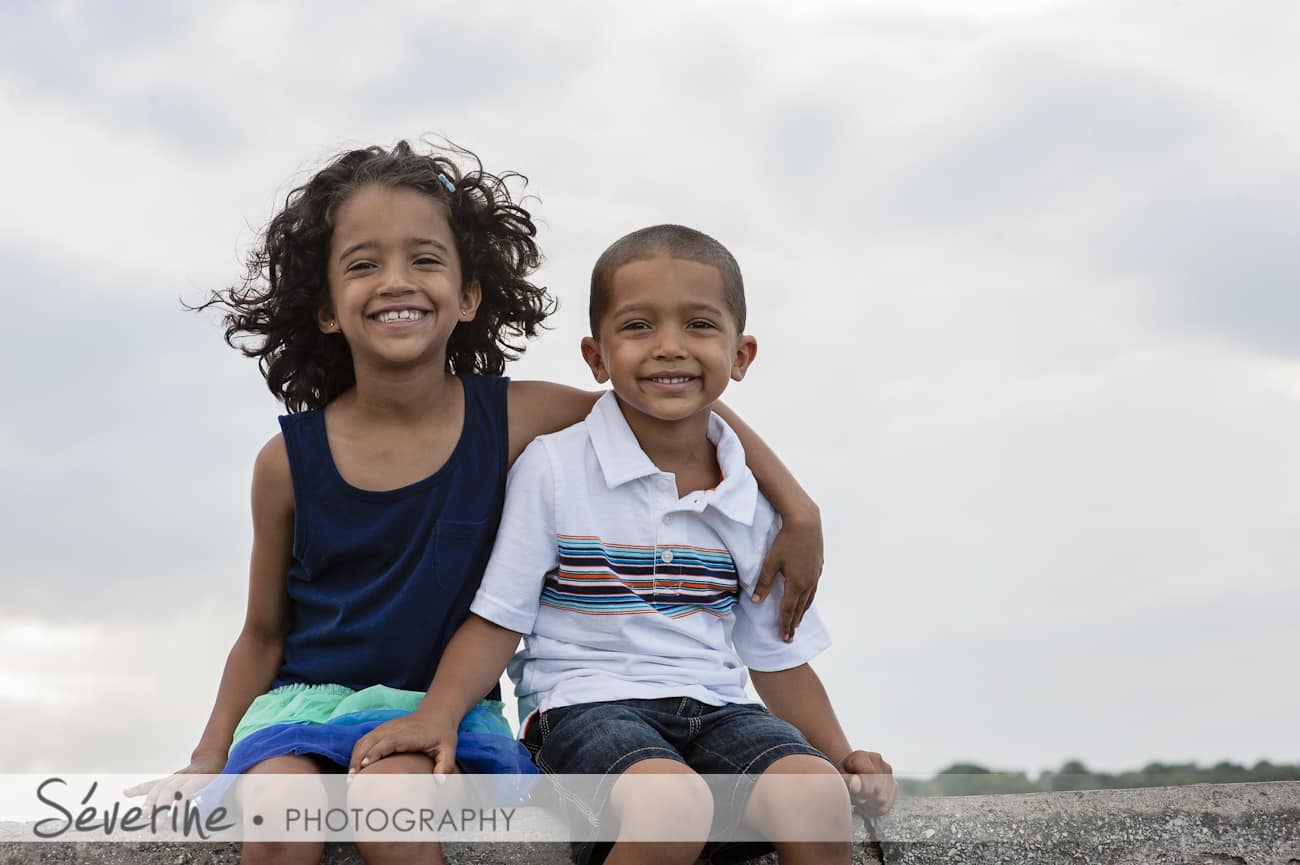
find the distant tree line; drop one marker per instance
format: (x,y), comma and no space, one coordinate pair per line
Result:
(964,779)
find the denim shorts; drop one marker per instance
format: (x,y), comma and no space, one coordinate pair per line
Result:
(604,739)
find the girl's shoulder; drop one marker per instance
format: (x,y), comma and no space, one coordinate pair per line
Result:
(272,479)
(273,458)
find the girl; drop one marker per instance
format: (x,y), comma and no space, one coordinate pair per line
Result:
(385,299)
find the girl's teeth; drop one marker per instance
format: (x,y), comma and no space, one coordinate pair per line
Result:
(400,315)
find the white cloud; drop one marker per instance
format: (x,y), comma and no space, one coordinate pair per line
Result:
(95,695)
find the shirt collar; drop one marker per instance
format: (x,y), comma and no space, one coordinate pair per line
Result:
(622,460)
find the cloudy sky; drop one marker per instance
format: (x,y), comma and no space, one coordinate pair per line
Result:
(1023,275)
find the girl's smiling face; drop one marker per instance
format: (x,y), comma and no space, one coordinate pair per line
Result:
(395,281)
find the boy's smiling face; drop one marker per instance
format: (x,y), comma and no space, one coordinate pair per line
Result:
(668,342)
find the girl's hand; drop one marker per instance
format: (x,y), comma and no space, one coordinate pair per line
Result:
(871,782)
(409,734)
(796,552)
(169,792)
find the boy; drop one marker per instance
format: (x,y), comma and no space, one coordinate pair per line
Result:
(627,550)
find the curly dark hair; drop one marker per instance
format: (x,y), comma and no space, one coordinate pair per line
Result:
(285,284)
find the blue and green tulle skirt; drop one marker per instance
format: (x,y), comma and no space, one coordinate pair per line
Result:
(327,721)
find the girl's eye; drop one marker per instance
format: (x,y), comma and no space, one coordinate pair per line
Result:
(358,266)
(427,261)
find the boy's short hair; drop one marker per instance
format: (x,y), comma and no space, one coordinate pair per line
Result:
(675,241)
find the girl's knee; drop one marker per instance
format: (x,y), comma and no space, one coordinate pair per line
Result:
(400,853)
(381,791)
(400,764)
(281,853)
(287,764)
(394,782)
(280,783)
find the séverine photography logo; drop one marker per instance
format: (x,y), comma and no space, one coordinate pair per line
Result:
(341,808)
(62,808)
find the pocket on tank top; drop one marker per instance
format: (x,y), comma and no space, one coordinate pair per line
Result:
(460,550)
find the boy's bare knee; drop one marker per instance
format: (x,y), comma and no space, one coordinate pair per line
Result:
(800,798)
(662,800)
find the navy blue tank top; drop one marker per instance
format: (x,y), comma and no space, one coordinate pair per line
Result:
(381,580)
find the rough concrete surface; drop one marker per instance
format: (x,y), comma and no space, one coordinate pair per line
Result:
(1205,824)
(1227,824)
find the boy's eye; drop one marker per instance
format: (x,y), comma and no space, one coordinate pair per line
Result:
(635,325)
(702,323)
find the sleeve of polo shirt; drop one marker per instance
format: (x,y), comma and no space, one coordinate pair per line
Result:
(524,551)
(757,632)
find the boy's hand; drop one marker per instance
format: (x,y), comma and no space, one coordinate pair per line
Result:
(796,552)
(164,791)
(409,734)
(871,782)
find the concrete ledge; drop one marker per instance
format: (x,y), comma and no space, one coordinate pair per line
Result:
(1205,824)
(1227,824)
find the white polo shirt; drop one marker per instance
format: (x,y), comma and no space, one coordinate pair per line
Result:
(624,590)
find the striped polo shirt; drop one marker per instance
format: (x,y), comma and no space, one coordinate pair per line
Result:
(624,590)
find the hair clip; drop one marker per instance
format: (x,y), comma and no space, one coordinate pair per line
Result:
(451,187)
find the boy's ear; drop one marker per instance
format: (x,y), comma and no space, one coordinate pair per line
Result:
(746,351)
(470,299)
(591,354)
(326,321)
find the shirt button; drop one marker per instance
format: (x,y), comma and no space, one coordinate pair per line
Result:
(668,557)
(668,519)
